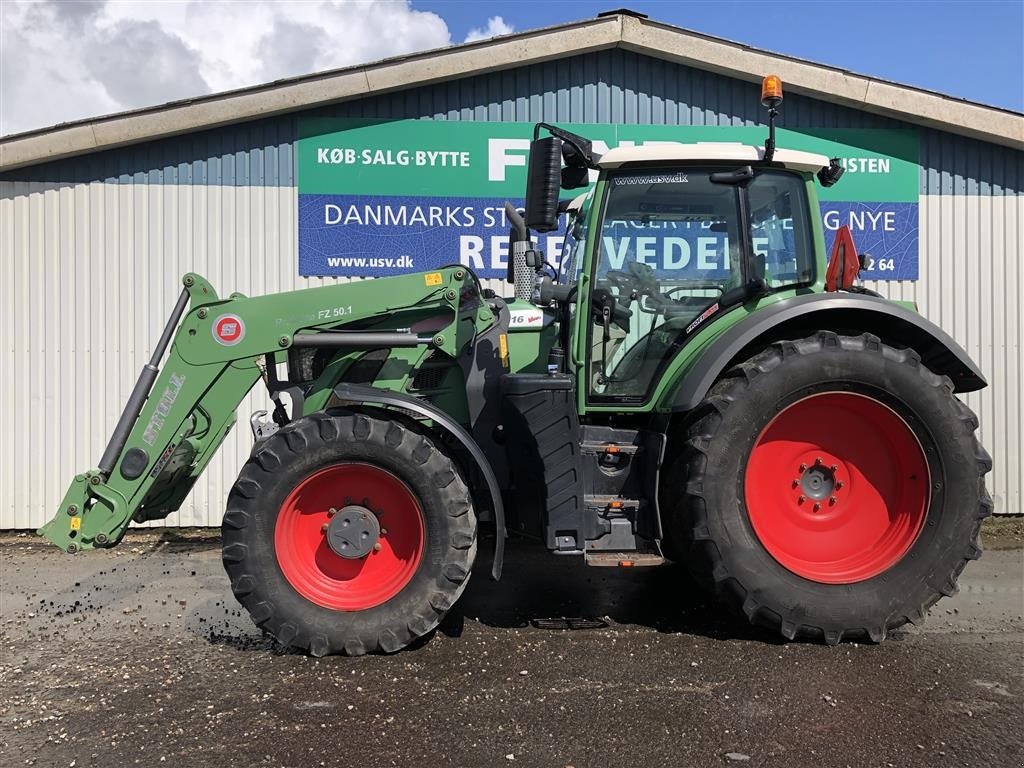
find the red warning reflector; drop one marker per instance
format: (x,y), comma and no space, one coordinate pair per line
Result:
(843,263)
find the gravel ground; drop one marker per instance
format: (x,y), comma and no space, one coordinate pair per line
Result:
(140,656)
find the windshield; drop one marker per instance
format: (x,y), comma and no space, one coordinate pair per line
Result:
(671,243)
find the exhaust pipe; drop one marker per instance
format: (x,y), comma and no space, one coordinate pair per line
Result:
(523,274)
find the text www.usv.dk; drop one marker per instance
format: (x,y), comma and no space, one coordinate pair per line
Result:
(399,262)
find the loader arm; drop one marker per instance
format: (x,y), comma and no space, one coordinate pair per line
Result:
(177,417)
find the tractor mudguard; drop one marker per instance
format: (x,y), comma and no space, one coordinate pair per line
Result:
(356,393)
(840,312)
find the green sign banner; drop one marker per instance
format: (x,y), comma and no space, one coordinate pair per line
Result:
(384,197)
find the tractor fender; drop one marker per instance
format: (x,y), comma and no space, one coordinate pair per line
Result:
(356,393)
(849,313)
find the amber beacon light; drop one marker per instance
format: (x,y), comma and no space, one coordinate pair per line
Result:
(771,97)
(771,91)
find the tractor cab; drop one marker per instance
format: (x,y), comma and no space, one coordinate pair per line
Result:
(680,234)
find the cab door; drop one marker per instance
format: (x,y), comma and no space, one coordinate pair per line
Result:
(667,245)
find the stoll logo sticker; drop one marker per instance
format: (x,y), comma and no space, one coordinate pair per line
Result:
(228,330)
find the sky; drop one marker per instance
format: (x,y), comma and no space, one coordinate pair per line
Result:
(63,60)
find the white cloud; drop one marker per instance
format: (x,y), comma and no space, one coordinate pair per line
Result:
(63,61)
(495,26)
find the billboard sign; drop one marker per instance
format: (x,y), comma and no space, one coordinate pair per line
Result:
(385,197)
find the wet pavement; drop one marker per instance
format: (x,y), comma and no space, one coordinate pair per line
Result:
(140,656)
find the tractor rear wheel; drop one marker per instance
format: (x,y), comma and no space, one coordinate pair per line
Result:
(347,533)
(834,488)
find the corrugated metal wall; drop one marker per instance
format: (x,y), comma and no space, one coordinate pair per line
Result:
(93,248)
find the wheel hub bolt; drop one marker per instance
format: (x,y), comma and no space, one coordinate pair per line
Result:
(817,461)
(803,467)
(839,484)
(817,507)
(834,467)
(831,499)
(332,512)
(801,500)
(383,531)
(324,527)
(376,547)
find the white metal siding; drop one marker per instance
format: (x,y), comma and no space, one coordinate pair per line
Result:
(970,285)
(92,271)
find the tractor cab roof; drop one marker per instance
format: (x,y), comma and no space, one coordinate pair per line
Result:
(712,152)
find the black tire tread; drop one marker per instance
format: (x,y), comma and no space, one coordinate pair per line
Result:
(346,637)
(689,520)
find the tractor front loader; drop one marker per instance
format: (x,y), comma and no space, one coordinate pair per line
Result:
(697,381)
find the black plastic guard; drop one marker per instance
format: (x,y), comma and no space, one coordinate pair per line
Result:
(543,444)
(355,393)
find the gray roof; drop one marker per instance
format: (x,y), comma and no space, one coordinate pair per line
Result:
(620,29)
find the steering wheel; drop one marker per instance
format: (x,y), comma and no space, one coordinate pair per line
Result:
(638,276)
(619,279)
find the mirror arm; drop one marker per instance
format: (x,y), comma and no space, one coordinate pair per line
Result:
(584,146)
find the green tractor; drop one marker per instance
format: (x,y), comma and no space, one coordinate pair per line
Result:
(696,382)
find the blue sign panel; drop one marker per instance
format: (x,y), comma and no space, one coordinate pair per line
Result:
(372,235)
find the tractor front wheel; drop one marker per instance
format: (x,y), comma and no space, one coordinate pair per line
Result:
(346,533)
(834,488)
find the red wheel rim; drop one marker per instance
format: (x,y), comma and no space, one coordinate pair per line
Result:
(837,487)
(320,575)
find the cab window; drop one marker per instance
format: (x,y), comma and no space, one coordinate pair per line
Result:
(779,230)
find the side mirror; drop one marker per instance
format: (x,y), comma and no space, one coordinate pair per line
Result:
(574,177)
(543,180)
(578,160)
(831,173)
